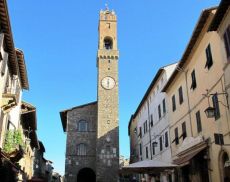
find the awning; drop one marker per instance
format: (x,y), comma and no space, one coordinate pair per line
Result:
(184,159)
(148,167)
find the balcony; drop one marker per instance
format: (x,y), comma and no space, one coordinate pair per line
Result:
(10,98)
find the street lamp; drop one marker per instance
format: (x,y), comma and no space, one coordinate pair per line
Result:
(211,111)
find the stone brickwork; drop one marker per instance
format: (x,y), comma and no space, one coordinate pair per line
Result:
(102,136)
(107,119)
(75,162)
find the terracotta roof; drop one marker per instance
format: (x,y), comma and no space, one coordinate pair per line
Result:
(220,13)
(6,29)
(22,69)
(63,114)
(195,35)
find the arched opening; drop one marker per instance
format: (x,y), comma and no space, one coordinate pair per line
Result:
(86,175)
(108,43)
(225,167)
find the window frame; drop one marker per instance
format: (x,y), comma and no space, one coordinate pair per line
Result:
(181,97)
(159,111)
(226,38)
(216,106)
(146,152)
(173,103)
(184,131)
(193,77)
(209,59)
(81,149)
(166,139)
(176,136)
(161,143)
(80,126)
(198,122)
(164,106)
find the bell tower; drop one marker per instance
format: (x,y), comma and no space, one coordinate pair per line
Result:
(107,146)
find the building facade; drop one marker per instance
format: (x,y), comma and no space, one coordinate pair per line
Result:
(198,85)
(92,148)
(149,127)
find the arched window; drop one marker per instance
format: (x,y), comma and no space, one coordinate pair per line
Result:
(81,149)
(83,125)
(108,43)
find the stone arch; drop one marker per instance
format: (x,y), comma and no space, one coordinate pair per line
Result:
(224,170)
(86,175)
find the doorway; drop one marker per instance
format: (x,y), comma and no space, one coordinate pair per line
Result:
(86,175)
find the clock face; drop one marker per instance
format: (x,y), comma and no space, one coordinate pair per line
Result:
(108,82)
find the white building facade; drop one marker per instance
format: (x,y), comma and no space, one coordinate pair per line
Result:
(152,126)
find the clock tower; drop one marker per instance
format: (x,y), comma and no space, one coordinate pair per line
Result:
(107,145)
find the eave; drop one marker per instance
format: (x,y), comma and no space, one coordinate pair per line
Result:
(63,114)
(220,13)
(6,29)
(193,40)
(22,69)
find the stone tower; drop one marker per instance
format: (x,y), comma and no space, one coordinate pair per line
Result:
(92,144)
(107,145)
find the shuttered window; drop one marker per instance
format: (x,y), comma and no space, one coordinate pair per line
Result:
(209,61)
(227,42)
(193,76)
(216,106)
(173,103)
(198,122)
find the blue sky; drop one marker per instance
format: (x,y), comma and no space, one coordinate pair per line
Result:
(60,39)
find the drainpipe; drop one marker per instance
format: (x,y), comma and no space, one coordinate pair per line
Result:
(150,140)
(189,108)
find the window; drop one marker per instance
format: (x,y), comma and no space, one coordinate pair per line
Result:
(135,130)
(181,99)
(193,75)
(198,122)
(173,103)
(227,42)
(140,132)
(153,147)
(82,125)
(81,149)
(108,44)
(4,64)
(151,123)
(164,106)
(140,149)
(159,111)
(161,143)
(216,106)
(184,133)
(145,127)
(146,152)
(166,139)
(176,136)
(108,150)
(209,61)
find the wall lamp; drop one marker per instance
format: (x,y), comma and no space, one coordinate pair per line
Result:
(211,111)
